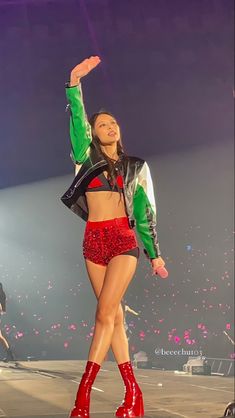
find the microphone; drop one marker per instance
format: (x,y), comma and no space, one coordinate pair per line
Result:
(163,273)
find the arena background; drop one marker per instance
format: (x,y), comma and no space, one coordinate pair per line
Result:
(167,74)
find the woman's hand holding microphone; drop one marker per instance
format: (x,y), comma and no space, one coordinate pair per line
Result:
(158,267)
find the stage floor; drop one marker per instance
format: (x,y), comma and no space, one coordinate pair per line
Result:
(47,389)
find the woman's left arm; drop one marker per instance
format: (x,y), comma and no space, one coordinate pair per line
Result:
(146,217)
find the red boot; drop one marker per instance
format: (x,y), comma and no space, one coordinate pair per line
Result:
(82,403)
(132,405)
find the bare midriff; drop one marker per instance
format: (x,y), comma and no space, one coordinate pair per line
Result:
(103,205)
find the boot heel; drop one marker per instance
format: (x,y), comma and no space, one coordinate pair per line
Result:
(138,408)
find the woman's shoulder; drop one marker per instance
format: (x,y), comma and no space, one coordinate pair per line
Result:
(136,163)
(135,159)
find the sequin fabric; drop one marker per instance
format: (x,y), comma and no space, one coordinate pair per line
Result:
(106,239)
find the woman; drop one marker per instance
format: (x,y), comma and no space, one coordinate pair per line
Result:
(112,192)
(3,340)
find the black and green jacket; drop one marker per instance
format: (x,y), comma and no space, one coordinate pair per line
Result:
(137,190)
(2,301)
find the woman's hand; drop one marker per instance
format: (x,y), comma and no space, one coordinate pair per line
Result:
(83,69)
(158,263)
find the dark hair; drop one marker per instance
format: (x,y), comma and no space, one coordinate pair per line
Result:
(112,174)
(2,298)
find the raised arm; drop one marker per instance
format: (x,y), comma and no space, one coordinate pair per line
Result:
(80,130)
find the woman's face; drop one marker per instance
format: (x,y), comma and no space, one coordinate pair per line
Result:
(107,129)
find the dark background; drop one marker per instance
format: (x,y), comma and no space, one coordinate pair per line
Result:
(167,74)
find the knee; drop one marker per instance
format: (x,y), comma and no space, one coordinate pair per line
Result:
(119,318)
(105,314)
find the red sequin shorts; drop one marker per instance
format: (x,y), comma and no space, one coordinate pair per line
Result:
(106,239)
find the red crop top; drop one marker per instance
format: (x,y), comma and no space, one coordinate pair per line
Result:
(101,183)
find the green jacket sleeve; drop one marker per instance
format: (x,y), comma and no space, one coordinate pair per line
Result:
(80,129)
(144,209)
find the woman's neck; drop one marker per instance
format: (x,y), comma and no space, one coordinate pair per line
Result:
(110,151)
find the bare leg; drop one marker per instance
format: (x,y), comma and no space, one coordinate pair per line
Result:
(118,275)
(114,281)
(119,343)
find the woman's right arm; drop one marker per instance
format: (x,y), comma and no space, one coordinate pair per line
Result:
(80,130)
